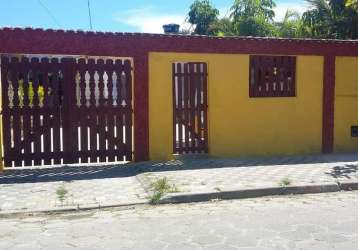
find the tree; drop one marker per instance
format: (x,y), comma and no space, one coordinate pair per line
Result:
(334,19)
(243,9)
(255,26)
(254,17)
(202,14)
(331,19)
(291,25)
(224,27)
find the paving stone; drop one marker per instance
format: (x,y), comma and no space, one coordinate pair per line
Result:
(34,190)
(220,225)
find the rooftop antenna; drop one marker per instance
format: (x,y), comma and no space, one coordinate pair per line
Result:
(89,14)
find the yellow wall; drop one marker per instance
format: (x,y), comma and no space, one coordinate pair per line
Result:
(239,125)
(346,104)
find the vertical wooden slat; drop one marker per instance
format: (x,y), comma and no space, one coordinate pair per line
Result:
(57,110)
(205,106)
(199,107)
(92,112)
(179,108)
(111,114)
(192,106)
(119,142)
(270,70)
(174,99)
(46,112)
(25,69)
(280,77)
(119,116)
(293,74)
(101,112)
(128,112)
(258,76)
(110,133)
(16,115)
(37,112)
(5,72)
(266,68)
(186,106)
(70,132)
(83,110)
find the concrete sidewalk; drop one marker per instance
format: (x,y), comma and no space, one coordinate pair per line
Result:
(70,188)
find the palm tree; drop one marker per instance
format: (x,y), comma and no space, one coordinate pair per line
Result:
(331,19)
(291,25)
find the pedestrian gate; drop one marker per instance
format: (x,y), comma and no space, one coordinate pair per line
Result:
(66,110)
(190,108)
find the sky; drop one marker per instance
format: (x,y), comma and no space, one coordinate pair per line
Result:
(112,15)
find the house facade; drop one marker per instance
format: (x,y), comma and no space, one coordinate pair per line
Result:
(224,96)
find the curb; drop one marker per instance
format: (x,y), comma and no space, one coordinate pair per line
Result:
(253,193)
(348,186)
(203,197)
(14,213)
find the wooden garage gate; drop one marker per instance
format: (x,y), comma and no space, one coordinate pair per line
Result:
(59,110)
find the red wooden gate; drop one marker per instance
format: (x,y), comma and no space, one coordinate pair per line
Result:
(190,108)
(61,111)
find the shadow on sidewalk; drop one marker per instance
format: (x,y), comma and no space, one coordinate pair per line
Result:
(67,173)
(72,173)
(345,171)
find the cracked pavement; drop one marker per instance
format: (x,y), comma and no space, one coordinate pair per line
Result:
(320,221)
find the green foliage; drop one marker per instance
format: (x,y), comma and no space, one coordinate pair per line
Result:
(255,26)
(61,193)
(161,185)
(160,188)
(155,198)
(331,19)
(291,26)
(244,9)
(335,19)
(224,27)
(285,182)
(202,15)
(253,17)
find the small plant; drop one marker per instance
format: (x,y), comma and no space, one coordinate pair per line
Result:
(61,193)
(161,185)
(285,182)
(160,188)
(155,198)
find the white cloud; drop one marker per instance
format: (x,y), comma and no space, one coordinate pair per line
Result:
(149,19)
(281,9)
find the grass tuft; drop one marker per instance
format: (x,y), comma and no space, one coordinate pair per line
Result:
(285,182)
(160,188)
(61,193)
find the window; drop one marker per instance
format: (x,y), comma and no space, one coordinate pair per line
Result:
(272,76)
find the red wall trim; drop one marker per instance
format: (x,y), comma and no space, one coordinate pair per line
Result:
(38,41)
(328,103)
(141,108)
